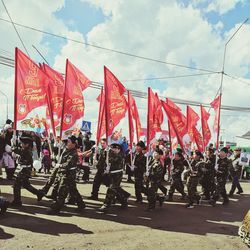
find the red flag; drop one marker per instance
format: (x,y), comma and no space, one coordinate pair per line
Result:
(216,104)
(158,114)
(172,138)
(178,121)
(56,90)
(136,117)
(101,117)
(130,120)
(31,85)
(73,104)
(192,119)
(115,101)
(198,139)
(150,120)
(206,134)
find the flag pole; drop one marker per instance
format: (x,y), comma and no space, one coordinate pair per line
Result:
(63,104)
(106,103)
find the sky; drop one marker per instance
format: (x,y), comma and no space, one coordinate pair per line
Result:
(191,33)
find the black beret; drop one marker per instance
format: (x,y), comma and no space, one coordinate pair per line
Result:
(26,140)
(141,144)
(73,139)
(159,151)
(225,149)
(198,153)
(116,145)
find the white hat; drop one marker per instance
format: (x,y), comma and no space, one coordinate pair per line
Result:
(6,127)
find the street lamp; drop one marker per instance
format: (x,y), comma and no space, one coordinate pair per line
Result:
(7,104)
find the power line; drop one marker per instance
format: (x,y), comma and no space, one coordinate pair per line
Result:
(130,80)
(237,79)
(110,50)
(11,21)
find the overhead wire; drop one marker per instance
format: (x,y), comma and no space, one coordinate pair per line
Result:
(109,49)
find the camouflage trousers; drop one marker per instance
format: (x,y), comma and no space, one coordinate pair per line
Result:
(139,188)
(50,181)
(208,187)
(22,180)
(176,184)
(152,194)
(115,191)
(66,185)
(192,183)
(220,189)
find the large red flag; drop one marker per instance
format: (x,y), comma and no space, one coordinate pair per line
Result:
(198,139)
(56,90)
(206,134)
(192,119)
(178,121)
(158,114)
(135,114)
(73,104)
(115,101)
(150,121)
(216,104)
(31,100)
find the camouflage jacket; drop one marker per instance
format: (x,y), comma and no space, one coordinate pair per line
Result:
(224,166)
(68,161)
(155,171)
(139,162)
(178,168)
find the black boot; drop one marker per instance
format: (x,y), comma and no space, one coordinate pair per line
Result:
(170,197)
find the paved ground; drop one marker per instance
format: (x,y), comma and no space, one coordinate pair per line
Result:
(170,227)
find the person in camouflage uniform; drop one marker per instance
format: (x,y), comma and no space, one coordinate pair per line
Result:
(67,178)
(23,171)
(207,174)
(100,176)
(176,183)
(138,167)
(193,179)
(154,175)
(236,173)
(115,171)
(222,169)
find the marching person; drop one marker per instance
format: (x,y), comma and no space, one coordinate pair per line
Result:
(236,173)
(138,167)
(176,182)
(154,175)
(23,171)
(222,169)
(207,174)
(115,169)
(100,176)
(193,179)
(66,175)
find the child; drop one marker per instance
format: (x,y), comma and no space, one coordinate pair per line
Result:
(154,174)
(46,161)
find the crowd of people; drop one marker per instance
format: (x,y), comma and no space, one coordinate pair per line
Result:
(149,170)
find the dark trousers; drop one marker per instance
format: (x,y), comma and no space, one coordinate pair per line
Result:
(22,180)
(208,187)
(115,191)
(139,188)
(220,190)
(235,184)
(99,179)
(67,185)
(176,184)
